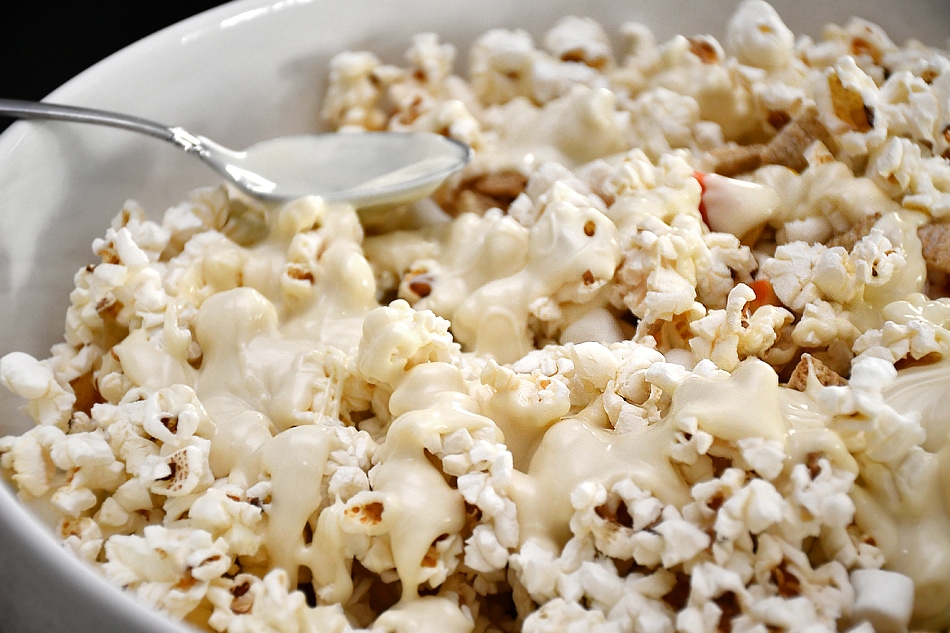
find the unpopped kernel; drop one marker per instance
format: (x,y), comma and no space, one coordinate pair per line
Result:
(670,354)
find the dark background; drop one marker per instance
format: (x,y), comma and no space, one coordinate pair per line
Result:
(44,43)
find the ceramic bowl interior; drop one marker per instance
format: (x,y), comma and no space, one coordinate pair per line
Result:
(240,73)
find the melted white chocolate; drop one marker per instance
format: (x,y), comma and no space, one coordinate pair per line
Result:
(574,451)
(252,376)
(419,506)
(911,523)
(417,454)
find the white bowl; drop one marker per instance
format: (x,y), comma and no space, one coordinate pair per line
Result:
(239,73)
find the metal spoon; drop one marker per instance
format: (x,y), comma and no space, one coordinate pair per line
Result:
(363,168)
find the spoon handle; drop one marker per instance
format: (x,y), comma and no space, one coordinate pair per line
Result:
(42,110)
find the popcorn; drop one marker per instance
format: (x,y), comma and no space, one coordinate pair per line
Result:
(91,465)
(171,569)
(581,40)
(575,390)
(398,324)
(802,274)
(83,537)
(28,457)
(352,95)
(559,615)
(50,402)
(500,64)
(755,507)
(758,37)
(722,337)
(663,224)
(249,603)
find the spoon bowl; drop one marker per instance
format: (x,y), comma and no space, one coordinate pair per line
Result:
(362,168)
(365,169)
